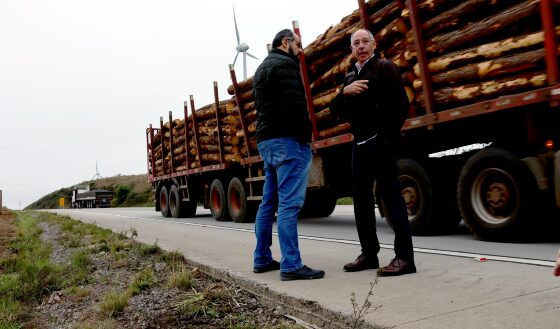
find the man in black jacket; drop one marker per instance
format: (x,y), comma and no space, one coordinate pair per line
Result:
(374,98)
(283,136)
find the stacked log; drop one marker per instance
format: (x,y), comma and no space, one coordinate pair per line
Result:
(476,50)
(244,99)
(202,151)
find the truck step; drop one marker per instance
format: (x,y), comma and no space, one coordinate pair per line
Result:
(254,198)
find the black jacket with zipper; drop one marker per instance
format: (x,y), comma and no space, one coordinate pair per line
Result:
(280,99)
(382,109)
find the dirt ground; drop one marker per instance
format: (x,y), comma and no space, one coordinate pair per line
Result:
(113,267)
(7,232)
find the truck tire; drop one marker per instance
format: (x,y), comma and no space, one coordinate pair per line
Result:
(164,201)
(318,203)
(497,196)
(418,196)
(218,201)
(240,210)
(179,208)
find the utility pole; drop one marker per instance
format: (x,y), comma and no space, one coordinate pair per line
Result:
(0,200)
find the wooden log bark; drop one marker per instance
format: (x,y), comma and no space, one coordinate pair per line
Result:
(488,89)
(489,69)
(354,18)
(176,122)
(251,116)
(458,15)
(334,131)
(487,51)
(429,8)
(252,127)
(246,97)
(214,157)
(323,63)
(324,101)
(249,106)
(333,75)
(472,32)
(396,29)
(324,115)
(242,86)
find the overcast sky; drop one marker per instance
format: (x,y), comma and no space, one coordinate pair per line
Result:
(80,81)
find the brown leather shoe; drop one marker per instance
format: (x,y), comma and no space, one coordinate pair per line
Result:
(361,263)
(397,267)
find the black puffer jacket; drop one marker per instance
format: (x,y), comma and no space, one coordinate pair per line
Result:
(382,109)
(280,99)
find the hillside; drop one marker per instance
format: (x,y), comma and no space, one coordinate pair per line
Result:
(128,191)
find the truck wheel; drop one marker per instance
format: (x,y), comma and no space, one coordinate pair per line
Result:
(418,196)
(178,207)
(164,202)
(318,203)
(496,194)
(218,201)
(240,210)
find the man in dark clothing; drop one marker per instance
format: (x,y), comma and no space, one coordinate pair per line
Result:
(374,98)
(283,136)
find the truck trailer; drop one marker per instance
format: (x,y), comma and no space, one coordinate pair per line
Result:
(85,198)
(480,143)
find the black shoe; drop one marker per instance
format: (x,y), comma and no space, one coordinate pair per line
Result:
(397,267)
(304,273)
(361,263)
(272,266)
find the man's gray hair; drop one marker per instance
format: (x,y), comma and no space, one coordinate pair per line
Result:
(369,32)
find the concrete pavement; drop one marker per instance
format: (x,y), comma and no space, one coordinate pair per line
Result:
(447,292)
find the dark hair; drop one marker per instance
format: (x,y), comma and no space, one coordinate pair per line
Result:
(287,33)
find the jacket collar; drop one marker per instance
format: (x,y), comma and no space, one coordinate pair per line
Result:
(283,53)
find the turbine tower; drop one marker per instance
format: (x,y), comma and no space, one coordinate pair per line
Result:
(241,47)
(97,175)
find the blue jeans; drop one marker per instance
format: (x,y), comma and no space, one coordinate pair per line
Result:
(286,165)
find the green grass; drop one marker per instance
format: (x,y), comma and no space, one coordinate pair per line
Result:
(28,274)
(77,291)
(113,303)
(141,281)
(181,279)
(345,201)
(149,249)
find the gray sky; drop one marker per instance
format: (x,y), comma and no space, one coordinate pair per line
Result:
(80,81)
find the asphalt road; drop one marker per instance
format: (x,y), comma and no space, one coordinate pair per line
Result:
(340,228)
(513,289)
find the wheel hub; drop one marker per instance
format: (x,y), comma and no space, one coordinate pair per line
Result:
(494,196)
(410,196)
(497,195)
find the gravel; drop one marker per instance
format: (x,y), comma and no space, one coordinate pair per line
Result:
(219,304)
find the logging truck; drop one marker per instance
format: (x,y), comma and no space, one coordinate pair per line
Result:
(83,197)
(480,143)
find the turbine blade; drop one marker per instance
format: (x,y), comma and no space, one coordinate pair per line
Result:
(235,23)
(235,59)
(251,55)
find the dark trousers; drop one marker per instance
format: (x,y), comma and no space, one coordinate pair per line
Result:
(375,161)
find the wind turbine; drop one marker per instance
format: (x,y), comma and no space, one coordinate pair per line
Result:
(241,47)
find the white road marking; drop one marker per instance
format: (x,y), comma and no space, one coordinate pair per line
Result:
(526,261)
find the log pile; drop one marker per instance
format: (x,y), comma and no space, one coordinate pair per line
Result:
(476,50)
(201,151)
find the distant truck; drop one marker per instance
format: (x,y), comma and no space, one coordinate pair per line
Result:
(481,143)
(82,197)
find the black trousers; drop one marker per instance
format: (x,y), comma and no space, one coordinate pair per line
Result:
(375,161)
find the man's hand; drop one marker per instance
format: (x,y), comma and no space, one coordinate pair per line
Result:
(556,271)
(355,88)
